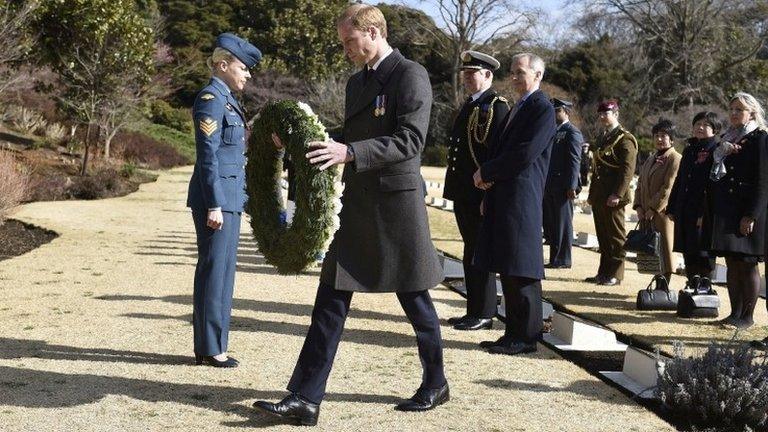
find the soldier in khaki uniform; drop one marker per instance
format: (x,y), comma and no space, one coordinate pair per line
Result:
(615,154)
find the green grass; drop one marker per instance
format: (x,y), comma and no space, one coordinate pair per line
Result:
(184,143)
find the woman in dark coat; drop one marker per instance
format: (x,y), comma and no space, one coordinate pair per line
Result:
(738,195)
(687,200)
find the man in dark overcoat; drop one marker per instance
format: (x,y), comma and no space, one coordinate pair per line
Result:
(510,234)
(480,116)
(563,185)
(383,243)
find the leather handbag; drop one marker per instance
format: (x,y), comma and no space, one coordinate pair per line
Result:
(699,301)
(643,239)
(657,296)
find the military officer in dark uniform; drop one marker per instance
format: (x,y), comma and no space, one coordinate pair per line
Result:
(613,166)
(217,195)
(477,120)
(383,242)
(563,185)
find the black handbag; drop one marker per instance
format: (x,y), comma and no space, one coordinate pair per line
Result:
(698,301)
(657,297)
(643,239)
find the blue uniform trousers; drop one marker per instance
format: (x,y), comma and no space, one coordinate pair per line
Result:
(328,316)
(558,227)
(214,282)
(522,301)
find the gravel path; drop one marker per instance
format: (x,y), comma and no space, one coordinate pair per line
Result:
(95,336)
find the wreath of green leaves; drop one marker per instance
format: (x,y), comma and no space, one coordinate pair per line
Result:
(292,248)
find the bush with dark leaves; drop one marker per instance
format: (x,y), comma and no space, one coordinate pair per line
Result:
(140,148)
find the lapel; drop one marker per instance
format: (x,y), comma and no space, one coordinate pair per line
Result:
(228,96)
(521,113)
(364,95)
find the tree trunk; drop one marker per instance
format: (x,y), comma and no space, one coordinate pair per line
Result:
(84,169)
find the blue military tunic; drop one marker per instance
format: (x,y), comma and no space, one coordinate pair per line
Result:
(218,181)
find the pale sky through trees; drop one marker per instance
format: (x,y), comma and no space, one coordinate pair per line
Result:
(554,22)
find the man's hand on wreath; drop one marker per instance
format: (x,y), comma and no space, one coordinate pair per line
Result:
(328,153)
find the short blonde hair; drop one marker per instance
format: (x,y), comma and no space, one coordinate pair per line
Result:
(754,107)
(219,55)
(362,16)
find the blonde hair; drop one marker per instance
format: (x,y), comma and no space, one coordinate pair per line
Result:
(219,55)
(754,107)
(362,16)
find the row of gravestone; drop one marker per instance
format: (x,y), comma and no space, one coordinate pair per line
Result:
(570,333)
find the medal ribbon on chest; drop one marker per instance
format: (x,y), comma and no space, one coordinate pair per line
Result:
(380,106)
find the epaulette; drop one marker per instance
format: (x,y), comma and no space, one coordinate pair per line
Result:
(502,99)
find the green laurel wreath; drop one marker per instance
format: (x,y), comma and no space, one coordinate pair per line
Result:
(290,248)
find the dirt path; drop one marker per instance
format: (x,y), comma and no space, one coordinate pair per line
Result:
(95,336)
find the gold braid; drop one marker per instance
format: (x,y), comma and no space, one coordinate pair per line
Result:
(609,148)
(474,125)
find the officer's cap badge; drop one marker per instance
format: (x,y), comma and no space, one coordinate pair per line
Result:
(208,126)
(207,96)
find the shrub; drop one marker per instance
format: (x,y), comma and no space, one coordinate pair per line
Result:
(103,183)
(55,133)
(176,118)
(436,155)
(726,388)
(184,143)
(137,147)
(14,183)
(26,120)
(128,170)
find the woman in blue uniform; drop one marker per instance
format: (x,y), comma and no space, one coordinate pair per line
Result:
(217,195)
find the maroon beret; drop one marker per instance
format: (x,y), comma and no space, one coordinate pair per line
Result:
(608,105)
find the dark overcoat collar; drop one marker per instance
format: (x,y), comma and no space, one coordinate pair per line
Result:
(368,90)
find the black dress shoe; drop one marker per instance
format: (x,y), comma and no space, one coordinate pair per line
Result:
(425,399)
(594,279)
(457,320)
(292,408)
(513,349)
(760,344)
(610,282)
(488,344)
(557,266)
(230,362)
(475,324)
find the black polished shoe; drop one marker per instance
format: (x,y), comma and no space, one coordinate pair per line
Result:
(488,344)
(230,362)
(425,400)
(557,266)
(610,282)
(475,324)
(292,408)
(594,279)
(457,320)
(760,344)
(513,349)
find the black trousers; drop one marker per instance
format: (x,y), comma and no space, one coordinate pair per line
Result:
(522,298)
(558,226)
(481,285)
(328,316)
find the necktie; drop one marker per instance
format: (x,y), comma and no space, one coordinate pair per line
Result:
(513,112)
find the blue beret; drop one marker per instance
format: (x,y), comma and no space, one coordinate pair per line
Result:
(240,48)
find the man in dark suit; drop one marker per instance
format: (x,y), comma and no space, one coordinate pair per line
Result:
(478,118)
(510,234)
(383,242)
(563,185)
